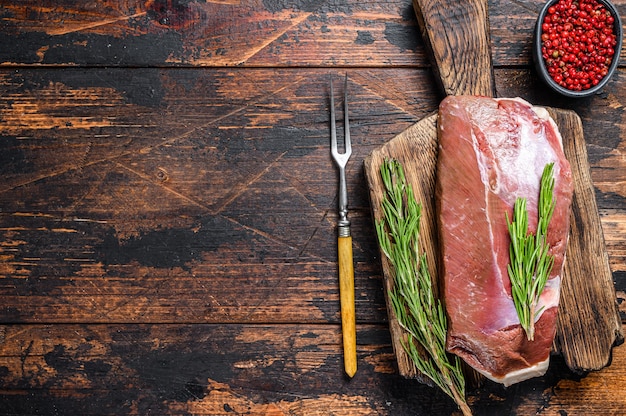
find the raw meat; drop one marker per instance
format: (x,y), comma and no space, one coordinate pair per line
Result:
(491,152)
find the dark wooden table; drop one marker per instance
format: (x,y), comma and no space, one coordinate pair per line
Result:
(168,206)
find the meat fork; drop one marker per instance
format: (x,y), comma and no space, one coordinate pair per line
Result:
(344,239)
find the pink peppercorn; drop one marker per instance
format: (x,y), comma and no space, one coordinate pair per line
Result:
(578,43)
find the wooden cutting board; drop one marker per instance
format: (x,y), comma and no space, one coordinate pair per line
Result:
(457,37)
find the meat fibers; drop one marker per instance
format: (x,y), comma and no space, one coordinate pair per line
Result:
(491,152)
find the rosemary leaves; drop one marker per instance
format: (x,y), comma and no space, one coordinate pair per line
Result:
(413,298)
(530,264)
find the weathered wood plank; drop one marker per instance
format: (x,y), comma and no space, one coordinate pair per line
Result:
(210,33)
(255,369)
(217,33)
(149,213)
(224,292)
(199,369)
(130,198)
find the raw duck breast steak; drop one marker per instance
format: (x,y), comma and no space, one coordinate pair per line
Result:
(492,151)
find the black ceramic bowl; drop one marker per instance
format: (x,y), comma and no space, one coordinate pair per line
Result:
(540,63)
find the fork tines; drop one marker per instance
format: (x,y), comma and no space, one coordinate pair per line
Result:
(340,158)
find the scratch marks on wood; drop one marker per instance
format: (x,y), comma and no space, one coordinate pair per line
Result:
(242,55)
(221,398)
(265,235)
(87,154)
(211,33)
(164,186)
(400,96)
(83,158)
(295,21)
(56,106)
(305,245)
(240,189)
(90,25)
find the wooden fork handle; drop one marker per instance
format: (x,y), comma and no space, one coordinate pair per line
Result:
(346,294)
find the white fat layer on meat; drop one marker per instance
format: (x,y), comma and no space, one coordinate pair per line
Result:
(544,115)
(517,376)
(549,297)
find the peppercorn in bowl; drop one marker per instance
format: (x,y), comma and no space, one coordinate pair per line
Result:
(577,45)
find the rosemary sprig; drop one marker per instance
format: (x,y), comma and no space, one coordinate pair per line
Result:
(530,264)
(413,298)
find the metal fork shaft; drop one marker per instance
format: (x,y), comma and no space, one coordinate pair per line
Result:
(343,225)
(341,159)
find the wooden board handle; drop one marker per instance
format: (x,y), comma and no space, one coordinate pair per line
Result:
(346,294)
(457,37)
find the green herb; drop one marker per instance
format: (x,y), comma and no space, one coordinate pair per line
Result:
(530,264)
(413,298)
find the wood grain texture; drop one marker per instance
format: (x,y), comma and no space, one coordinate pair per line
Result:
(588,324)
(210,33)
(215,33)
(140,369)
(168,212)
(346,296)
(458,40)
(161,204)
